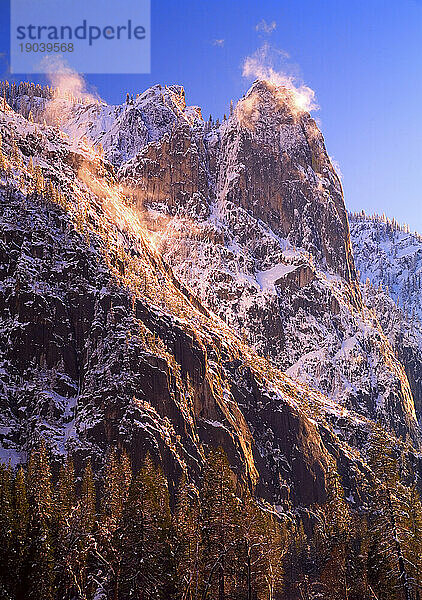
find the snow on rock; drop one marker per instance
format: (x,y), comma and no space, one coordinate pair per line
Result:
(253,221)
(389,260)
(391,256)
(269,278)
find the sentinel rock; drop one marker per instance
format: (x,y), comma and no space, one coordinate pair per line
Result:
(274,165)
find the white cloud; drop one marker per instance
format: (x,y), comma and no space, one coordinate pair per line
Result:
(266,27)
(66,81)
(261,65)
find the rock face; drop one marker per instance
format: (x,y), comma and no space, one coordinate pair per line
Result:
(389,259)
(251,216)
(157,309)
(273,164)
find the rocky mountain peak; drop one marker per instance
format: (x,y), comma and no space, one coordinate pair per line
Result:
(265,102)
(169,102)
(250,214)
(201,295)
(274,164)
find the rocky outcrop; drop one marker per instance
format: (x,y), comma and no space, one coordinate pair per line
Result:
(87,366)
(171,173)
(101,345)
(273,164)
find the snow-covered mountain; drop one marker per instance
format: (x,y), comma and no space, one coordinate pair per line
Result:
(121,129)
(389,255)
(250,215)
(389,260)
(188,283)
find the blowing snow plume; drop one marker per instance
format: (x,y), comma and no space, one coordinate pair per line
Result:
(262,65)
(67,82)
(68,86)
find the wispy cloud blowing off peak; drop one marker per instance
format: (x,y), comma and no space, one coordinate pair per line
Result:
(67,82)
(271,65)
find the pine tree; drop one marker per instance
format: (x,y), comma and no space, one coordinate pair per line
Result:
(188,536)
(6,529)
(116,485)
(357,558)
(81,557)
(49,191)
(146,538)
(389,526)
(117,479)
(41,551)
(129,575)
(220,526)
(39,180)
(332,538)
(264,543)
(87,501)
(253,530)
(274,551)
(21,517)
(298,559)
(64,507)
(415,540)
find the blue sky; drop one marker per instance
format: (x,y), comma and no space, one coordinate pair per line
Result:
(363,58)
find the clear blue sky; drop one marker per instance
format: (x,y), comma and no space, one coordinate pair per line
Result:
(363,58)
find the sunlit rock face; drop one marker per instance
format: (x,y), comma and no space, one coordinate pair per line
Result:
(273,164)
(250,214)
(102,345)
(194,286)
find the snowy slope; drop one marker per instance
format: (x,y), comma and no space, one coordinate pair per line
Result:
(251,217)
(389,260)
(231,205)
(391,256)
(121,129)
